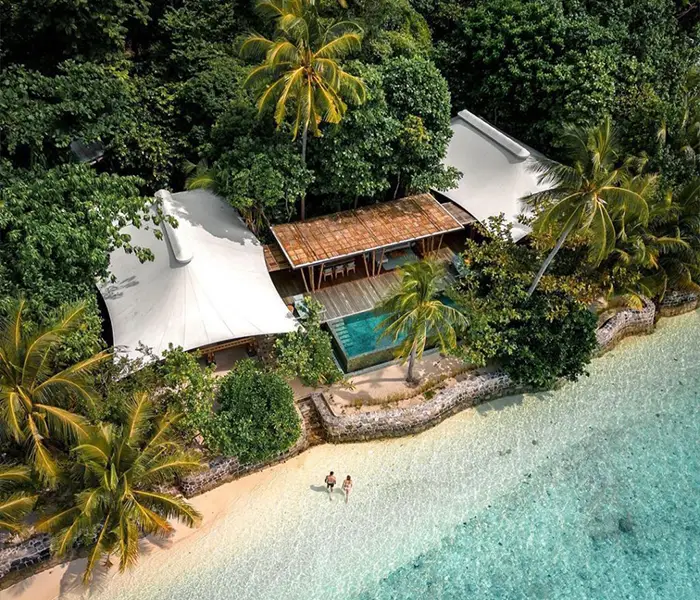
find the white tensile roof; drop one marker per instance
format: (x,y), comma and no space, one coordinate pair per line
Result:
(496,171)
(207,284)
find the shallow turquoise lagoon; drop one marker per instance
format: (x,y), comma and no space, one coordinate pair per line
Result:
(589,492)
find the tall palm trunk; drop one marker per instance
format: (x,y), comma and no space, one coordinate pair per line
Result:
(550,257)
(412,363)
(304,137)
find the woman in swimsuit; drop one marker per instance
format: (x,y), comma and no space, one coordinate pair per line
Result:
(347,486)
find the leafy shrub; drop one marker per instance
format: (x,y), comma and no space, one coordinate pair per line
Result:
(307,353)
(553,337)
(257,418)
(190,392)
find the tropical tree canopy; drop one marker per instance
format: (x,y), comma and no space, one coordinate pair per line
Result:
(651,258)
(300,72)
(120,466)
(586,196)
(36,396)
(417,316)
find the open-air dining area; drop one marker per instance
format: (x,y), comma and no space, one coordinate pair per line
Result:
(349,260)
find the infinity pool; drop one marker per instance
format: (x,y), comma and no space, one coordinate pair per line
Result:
(588,492)
(358,341)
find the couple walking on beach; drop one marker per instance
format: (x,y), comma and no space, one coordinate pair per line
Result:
(330,484)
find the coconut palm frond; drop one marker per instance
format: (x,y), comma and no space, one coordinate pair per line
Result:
(14,508)
(340,46)
(256,46)
(169,506)
(39,455)
(66,424)
(99,548)
(122,463)
(415,313)
(603,236)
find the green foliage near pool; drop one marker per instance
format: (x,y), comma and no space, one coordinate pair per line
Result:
(307,353)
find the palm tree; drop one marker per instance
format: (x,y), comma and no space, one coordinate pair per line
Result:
(634,268)
(681,268)
(664,254)
(34,394)
(300,73)
(121,465)
(587,196)
(686,136)
(14,505)
(416,314)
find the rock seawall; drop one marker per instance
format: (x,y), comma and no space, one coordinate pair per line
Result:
(476,389)
(625,323)
(396,422)
(20,556)
(678,303)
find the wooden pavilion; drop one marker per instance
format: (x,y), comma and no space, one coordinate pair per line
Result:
(322,247)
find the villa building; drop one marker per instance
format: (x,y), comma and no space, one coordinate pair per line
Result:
(213,286)
(348,260)
(496,172)
(208,287)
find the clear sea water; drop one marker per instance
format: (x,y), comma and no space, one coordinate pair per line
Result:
(588,492)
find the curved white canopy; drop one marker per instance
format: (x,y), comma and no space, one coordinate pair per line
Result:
(207,284)
(496,171)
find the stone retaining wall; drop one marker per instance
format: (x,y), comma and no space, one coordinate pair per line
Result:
(678,303)
(20,556)
(396,422)
(625,323)
(224,469)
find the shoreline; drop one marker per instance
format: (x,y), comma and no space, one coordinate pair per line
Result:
(63,580)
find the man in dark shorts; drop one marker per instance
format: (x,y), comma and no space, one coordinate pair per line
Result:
(330,482)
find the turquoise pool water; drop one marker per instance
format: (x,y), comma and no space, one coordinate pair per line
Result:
(359,334)
(588,492)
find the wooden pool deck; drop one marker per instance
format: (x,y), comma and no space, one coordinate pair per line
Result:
(350,295)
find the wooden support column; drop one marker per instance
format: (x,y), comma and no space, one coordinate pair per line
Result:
(312,278)
(364,257)
(303,276)
(440,242)
(320,275)
(381,261)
